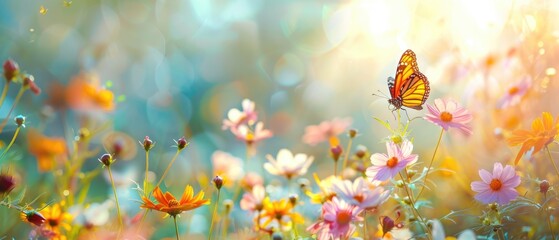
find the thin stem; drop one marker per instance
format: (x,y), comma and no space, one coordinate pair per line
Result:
(168,167)
(11,142)
(225,225)
(366,224)
(348,149)
(550,226)
(335,168)
(116,199)
(213,215)
(551,159)
(4,93)
(146,191)
(500,234)
(415,212)
(176,227)
(18,97)
(430,164)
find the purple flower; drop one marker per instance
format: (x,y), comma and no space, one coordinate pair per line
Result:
(386,166)
(497,187)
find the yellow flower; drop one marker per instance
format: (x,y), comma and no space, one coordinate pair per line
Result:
(167,203)
(326,193)
(278,214)
(543,132)
(56,219)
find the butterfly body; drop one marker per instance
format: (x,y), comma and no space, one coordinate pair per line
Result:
(410,88)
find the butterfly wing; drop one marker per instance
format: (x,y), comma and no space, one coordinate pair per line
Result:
(415,91)
(410,87)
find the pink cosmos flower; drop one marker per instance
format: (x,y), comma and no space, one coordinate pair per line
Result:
(447,113)
(288,165)
(325,131)
(250,180)
(236,117)
(515,93)
(386,166)
(360,194)
(497,187)
(253,201)
(250,136)
(227,166)
(337,220)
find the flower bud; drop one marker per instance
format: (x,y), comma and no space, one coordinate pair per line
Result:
(29,82)
(399,184)
(7,184)
(148,143)
(387,225)
(228,203)
(544,186)
(411,173)
(360,154)
(293,199)
(218,181)
(20,120)
(106,159)
(182,143)
(336,152)
(277,236)
(303,183)
(83,134)
(11,70)
(352,133)
(34,217)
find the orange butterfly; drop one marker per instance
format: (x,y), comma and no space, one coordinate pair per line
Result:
(410,88)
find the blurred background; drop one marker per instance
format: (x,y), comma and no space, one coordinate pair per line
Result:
(177,66)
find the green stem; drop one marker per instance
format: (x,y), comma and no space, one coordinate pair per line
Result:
(168,167)
(18,97)
(551,159)
(4,93)
(335,168)
(348,149)
(500,234)
(430,164)
(550,226)
(116,199)
(366,224)
(11,142)
(146,191)
(176,227)
(213,215)
(414,211)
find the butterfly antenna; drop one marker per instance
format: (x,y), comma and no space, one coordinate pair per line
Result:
(403,109)
(381,94)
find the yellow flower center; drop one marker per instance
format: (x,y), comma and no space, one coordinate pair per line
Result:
(446,116)
(173,203)
(495,184)
(392,162)
(513,90)
(343,217)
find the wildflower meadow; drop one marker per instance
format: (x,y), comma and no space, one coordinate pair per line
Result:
(328,120)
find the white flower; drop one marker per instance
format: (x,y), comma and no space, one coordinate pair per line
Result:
(288,165)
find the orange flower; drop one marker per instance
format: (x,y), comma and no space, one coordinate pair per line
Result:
(46,150)
(168,203)
(543,132)
(84,92)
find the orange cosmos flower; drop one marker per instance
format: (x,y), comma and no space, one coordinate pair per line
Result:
(543,132)
(84,93)
(167,203)
(47,150)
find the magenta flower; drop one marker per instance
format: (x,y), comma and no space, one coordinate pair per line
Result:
(515,93)
(497,187)
(337,220)
(326,131)
(447,113)
(236,117)
(386,166)
(360,194)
